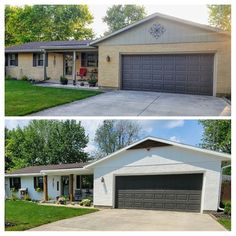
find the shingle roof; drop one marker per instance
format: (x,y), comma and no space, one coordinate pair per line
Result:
(37,169)
(37,46)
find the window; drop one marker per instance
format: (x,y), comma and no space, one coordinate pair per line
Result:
(68,61)
(11,59)
(38,59)
(38,183)
(89,59)
(15,183)
(84,181)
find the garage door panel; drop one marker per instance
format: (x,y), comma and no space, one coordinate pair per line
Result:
(155,69)
(163,192)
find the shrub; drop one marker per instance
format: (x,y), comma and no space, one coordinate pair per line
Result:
(85,202)
(13,197)
(27,197)
(8,77)
(24,78)
(61,200)
(227,208)
(48,78)
(38,190)
(92,82)
(63,80)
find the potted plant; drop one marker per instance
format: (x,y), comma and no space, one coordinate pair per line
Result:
(38,190)
(63,80)
(92,82)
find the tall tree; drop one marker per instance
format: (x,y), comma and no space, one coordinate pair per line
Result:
(119,16)
(217,135)
(113,135)
(220,16)
(44,142)
(46,23)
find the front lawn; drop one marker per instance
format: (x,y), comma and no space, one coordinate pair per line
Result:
(25,215)
(22,98)
(225,222)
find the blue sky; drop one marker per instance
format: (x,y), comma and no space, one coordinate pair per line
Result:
(184,131)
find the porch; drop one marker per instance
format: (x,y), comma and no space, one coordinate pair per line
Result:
(72,186)
(77,66)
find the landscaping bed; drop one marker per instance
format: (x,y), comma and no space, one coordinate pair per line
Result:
(22,215)
(22,97)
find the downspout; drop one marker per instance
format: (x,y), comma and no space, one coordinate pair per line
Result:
(222,168)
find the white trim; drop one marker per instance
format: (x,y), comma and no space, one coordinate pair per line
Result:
(159,15)
(22,175)
(222,156)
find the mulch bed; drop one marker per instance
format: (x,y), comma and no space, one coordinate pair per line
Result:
(221,215)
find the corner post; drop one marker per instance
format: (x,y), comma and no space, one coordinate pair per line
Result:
(45,187)
(74,68)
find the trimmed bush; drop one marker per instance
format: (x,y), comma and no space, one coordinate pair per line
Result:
(63,80)
(227,208)
(24,78)
(86,202)
(27,197)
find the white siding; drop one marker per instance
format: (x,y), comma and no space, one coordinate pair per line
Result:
(162,160)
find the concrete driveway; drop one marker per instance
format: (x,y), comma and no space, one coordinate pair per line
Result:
(135,220)
(138,103)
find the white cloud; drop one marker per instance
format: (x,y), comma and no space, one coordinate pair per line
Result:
(174,123)
(175,139)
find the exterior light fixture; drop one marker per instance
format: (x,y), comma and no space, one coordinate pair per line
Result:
(108,58)
(102,180)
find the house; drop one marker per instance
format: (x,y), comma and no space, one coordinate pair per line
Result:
(151,173)
(159,53)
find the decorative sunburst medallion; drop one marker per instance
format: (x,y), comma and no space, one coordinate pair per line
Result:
(157,30)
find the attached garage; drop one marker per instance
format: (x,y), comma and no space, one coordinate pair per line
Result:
(158,174)
(160,192)
(180,73)
(166,54)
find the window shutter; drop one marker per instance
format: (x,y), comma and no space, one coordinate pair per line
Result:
(34,59)
(6,59)
(46,59)
(16,61)
(34,182)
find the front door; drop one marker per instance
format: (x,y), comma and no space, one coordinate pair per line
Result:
(65,186)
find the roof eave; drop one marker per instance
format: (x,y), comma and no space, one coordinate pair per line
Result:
(23,50)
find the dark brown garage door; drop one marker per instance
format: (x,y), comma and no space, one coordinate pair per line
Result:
(183,73)
(160,192)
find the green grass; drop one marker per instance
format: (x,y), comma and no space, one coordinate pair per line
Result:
(22,98)
(226,223)
(28,215)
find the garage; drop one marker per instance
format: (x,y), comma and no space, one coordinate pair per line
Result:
(170,73)
(180,192)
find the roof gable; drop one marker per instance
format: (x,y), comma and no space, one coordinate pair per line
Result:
(162,143)
(175,30)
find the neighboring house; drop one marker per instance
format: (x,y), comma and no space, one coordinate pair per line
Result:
(149,174)
(159,53)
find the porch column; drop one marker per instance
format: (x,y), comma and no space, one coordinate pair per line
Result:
(44,66)
(45,187)
(74,68)
(71,191)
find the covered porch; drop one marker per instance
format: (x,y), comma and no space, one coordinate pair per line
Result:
(74,185)
(74,64)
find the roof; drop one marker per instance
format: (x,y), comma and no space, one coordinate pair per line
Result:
(159,15)
(219,155)
(38,169)
(39,46)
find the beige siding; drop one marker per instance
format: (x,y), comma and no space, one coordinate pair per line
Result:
(25,67)
(109,72)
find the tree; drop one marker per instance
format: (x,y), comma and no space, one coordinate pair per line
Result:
(220,16)
(44,142)
(113,135)
(119,16)
(47,23)
(217,135)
